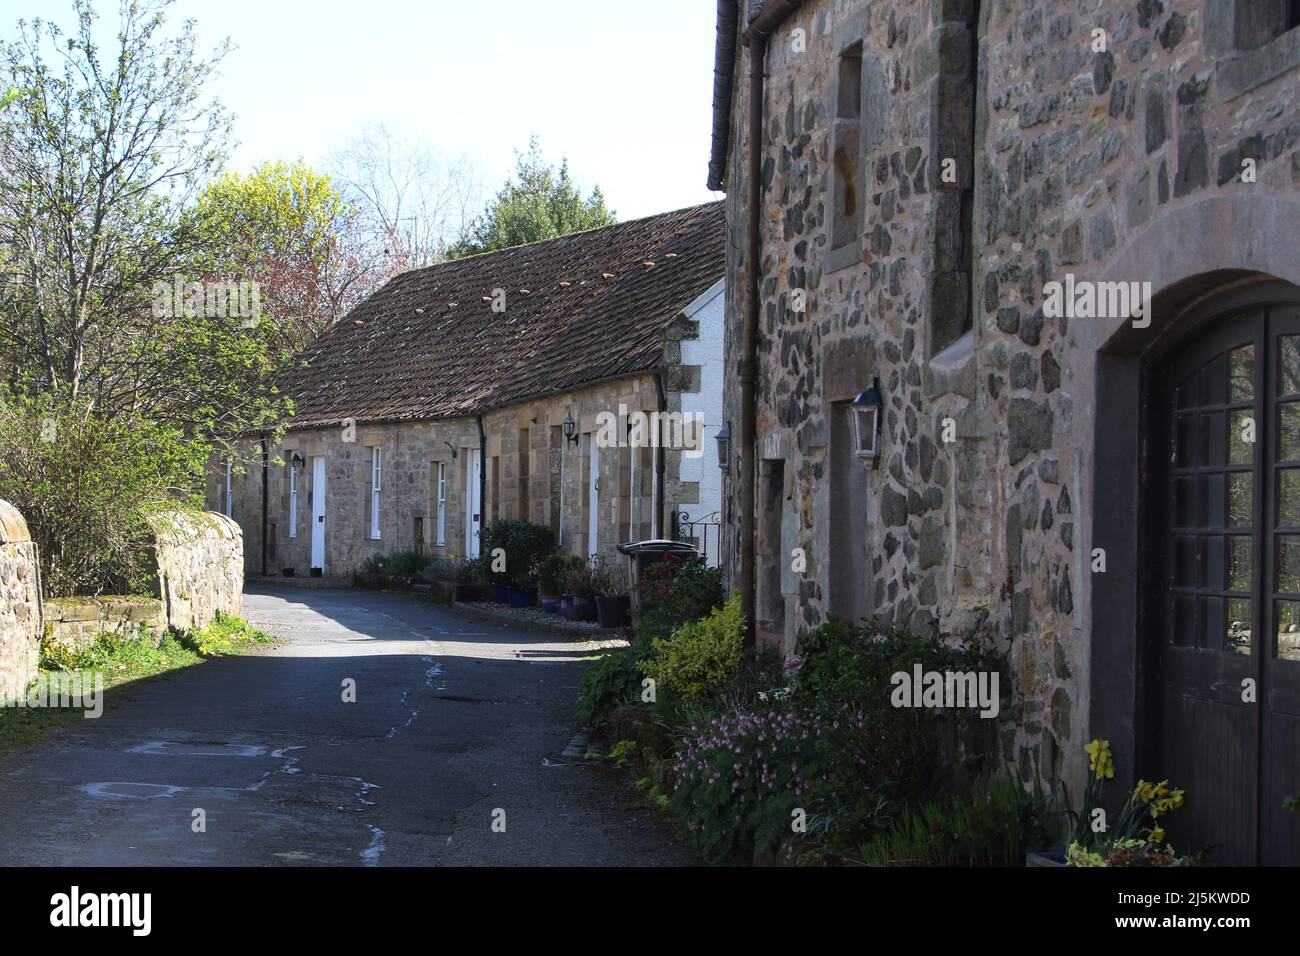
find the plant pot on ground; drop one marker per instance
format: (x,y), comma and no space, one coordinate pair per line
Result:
(611,597)
(287,572)
(521,596)
(612,610)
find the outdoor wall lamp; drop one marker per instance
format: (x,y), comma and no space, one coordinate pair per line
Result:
(570,429)
(866,410)
(723,438)
(297,460)
(452,447)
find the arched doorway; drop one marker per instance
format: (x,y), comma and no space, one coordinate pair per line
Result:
(1221,619)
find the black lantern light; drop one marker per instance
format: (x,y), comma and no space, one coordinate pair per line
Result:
(866,423)
(570,429)
(297,460)
(723,438)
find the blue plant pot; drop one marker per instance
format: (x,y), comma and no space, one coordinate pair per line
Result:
(500,593)
(520,597)
(550,604)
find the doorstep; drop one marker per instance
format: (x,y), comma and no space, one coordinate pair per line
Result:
(280,581)
(535,619)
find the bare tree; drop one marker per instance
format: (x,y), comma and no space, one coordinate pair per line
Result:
(410,203)
(99,155)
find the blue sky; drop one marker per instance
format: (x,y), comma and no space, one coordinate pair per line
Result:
(623,92)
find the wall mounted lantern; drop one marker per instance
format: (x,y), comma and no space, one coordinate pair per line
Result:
(723,438)
(866,410)
(570,429)
(297,460)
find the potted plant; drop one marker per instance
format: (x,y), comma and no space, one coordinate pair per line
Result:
(551,581)
(583,587)
(612,601)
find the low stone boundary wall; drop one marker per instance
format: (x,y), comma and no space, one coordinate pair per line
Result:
(20,603)
(75,622)
(200,559)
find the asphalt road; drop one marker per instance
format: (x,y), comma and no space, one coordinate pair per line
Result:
(456,724)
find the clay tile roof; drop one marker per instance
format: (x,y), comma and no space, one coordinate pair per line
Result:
(407,355)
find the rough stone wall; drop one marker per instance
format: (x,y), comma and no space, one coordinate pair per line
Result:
(1080,155)
(554,494)
(20,603)
(200,559)
(77,622)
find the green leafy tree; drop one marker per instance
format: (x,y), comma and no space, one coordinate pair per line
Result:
(288,229)
(539,201)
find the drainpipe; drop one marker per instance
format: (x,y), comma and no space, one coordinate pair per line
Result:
(266,458)
(749,337)
(482,476)
(657,530)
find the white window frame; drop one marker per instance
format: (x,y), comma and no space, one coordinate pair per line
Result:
(376,486)
(293,498)
(442,504)
(230,490)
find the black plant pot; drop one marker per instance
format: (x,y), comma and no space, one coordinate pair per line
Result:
(612,611)
(287,572)
(584,608)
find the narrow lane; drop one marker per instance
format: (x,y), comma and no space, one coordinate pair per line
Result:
(452,721)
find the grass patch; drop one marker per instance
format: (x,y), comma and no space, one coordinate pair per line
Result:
(121,659)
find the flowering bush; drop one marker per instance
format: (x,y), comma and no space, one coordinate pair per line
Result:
(740,777)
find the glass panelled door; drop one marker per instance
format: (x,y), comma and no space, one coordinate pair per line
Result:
(1230,565)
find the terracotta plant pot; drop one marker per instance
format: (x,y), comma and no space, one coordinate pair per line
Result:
(550,603)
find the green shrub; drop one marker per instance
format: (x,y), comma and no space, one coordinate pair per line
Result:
(883,757)
(87,486)
(677,590)
(612,681)
(985,828)
(551,578)
(699,655)
(526,546)
(407,562)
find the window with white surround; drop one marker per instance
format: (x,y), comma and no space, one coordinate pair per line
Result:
(293,498)
(442,503)
(230,491)
(375,489)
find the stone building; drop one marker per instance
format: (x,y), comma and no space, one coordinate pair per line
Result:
(951,198)
(558,381)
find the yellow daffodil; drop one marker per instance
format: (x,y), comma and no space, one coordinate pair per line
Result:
(1099,759)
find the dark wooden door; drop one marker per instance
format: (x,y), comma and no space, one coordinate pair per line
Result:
(1228,721)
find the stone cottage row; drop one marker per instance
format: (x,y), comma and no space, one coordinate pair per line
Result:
(548,382)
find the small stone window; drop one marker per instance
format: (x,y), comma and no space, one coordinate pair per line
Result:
(846,161)
(1258,22)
